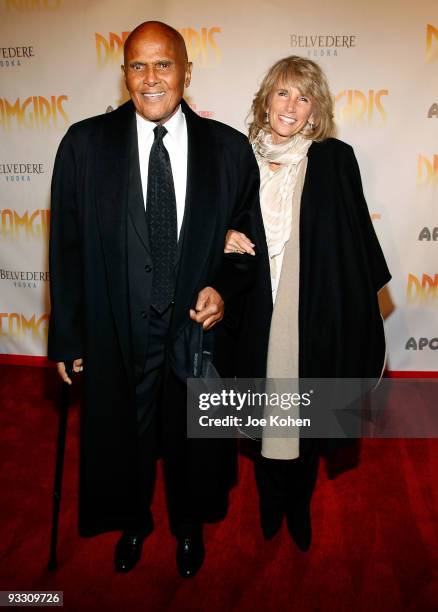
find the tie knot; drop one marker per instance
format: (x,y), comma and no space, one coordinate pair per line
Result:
(159,132)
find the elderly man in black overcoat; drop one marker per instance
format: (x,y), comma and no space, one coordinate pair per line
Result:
(142,198)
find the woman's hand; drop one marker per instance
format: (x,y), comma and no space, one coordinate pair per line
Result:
(237,242)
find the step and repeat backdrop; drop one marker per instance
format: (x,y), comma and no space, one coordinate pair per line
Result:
(60,62)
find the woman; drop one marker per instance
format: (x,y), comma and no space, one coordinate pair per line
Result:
(326,268)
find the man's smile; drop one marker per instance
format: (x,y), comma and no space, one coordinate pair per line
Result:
(152,96)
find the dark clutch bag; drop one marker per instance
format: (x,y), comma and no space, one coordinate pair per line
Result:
(192,353)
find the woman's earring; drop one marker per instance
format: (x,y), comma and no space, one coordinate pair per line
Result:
(266,116)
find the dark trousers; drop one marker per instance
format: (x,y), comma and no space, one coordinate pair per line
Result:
(161,417)
(284,485)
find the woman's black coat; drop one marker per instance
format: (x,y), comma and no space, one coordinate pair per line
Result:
(342,268)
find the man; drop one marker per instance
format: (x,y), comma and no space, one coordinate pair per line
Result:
(141,201)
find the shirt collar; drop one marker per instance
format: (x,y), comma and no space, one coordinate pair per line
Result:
(174,126)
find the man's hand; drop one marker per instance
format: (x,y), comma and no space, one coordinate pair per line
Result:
(209,308)
(78,366)
(238,242)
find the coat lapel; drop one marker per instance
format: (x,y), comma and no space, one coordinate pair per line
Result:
(112,188)
(199,215)
(136,206)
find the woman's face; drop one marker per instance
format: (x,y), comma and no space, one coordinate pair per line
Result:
(288,112)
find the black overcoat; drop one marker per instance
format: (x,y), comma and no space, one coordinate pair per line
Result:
(90,315)
(342,268)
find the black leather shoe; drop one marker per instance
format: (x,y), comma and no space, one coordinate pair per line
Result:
(300,526)
(271,520)
(128,550)
(190,554)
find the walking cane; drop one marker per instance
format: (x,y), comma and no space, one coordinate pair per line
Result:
(59,465)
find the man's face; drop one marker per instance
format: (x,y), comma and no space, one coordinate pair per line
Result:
(156,73)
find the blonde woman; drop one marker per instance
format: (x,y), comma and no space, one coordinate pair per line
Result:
(326,267)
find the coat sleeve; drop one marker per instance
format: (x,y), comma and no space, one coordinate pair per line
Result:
(238,271)
(66,286)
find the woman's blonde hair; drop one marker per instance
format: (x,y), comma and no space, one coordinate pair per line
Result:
(310,80)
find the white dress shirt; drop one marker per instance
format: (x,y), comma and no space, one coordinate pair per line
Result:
(175,142)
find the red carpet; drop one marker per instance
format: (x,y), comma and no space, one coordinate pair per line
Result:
(375,532)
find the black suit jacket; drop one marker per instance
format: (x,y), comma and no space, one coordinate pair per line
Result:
(90,309)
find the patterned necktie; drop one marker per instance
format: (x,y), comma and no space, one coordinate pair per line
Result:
(162,222)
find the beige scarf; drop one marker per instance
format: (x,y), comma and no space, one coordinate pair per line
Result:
(277,189)
(283,339)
